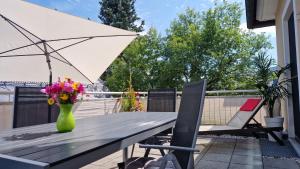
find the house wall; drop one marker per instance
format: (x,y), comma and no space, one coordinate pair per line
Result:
(285,8)
(280,54)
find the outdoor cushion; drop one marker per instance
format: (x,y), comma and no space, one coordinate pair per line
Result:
(250,105)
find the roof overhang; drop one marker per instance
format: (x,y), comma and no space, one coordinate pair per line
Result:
(260,13)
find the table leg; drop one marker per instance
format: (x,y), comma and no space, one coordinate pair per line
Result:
(125,154)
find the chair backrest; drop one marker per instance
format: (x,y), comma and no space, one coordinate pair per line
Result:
(242,118)
(31,107)
(161,100)
(188,121)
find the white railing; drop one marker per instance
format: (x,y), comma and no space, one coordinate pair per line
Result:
(219,106)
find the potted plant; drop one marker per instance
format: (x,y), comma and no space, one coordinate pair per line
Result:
(130,100)
(272,87)
(64,94)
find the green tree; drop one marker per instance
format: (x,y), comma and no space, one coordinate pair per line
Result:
(120,14)
(211,45)
(142,62)
(208,45)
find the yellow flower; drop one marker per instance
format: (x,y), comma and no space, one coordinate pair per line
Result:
(64,97)
(51,101)
(75,86)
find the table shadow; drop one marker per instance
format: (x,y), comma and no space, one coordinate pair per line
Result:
(28,136)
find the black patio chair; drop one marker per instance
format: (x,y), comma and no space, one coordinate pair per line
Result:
(159,100)
(183,140)
(31,107)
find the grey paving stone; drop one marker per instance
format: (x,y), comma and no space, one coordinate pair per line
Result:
(246,160)
(248,140)
(224,145)
(249,152)
(224,140)
(280,163)
(220,150)
(203,164)
(248,146)
(242,166)
(217,157)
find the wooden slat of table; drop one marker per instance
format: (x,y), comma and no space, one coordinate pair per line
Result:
(103,134)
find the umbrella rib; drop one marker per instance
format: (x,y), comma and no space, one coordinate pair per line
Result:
(14,25)
(69,63)
(21,47)
(85,37)
(61,60)
(6,56)
(72,44)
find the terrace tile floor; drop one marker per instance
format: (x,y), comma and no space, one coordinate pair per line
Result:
(216,153)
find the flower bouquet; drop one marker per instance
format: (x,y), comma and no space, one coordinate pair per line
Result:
(64,94)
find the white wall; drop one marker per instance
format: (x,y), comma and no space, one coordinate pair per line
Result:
(284,10)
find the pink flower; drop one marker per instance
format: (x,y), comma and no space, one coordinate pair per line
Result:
(43,91)
(80,88)
(68,88)
(56,88)
(48,90)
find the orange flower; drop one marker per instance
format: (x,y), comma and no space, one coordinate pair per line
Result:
(61,84)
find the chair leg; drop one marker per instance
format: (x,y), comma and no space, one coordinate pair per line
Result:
(147,152)
(133,146)
(279,141)
(162,152)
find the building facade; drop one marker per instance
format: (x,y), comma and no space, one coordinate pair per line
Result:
(285,15)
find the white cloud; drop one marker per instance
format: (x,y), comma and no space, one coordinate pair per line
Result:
(268,30)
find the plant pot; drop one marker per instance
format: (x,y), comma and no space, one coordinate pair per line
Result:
(65,121)
(274,122)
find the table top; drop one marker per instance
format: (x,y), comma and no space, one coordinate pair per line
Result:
(105,134)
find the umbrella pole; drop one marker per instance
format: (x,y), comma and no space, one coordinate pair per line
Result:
(50,75)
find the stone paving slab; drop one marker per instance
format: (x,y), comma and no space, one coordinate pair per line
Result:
(215,153)
(241,166)
(203,164)
(280,163)
(246,160)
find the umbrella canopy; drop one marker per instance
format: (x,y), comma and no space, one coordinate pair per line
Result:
(35,41)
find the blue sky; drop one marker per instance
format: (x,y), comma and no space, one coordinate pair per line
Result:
(156,13)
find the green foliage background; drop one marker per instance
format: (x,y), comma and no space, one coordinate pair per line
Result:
(208,45)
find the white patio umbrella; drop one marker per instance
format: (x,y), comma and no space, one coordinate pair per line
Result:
(37,41)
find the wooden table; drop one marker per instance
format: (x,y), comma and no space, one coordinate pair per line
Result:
(93,138)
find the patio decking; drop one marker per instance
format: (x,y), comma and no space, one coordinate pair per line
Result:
(217,153)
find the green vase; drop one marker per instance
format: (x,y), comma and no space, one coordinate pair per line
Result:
(65,121)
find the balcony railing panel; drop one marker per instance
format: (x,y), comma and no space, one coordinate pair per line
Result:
(219,106)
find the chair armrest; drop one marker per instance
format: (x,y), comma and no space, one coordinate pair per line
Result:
(164,147)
